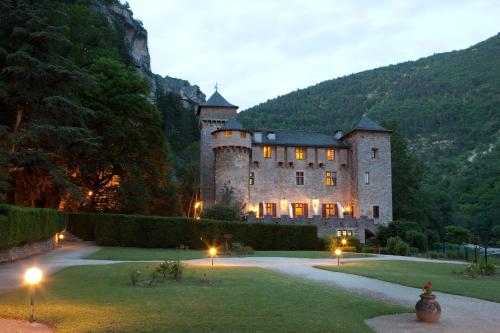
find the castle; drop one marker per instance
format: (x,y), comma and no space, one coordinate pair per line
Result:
(341,182)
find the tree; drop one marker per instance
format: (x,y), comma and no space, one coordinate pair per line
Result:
(457,235)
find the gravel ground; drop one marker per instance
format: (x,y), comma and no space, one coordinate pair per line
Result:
(21,326)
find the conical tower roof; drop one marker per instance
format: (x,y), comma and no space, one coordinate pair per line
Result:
(367,124)
(216,100)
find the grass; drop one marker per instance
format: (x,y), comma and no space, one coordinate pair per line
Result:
(416,274)
(131,253)
(100,299)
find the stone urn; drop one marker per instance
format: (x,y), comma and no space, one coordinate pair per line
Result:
(428,309)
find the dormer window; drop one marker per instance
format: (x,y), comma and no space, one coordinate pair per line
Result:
(228,134)
(243,135)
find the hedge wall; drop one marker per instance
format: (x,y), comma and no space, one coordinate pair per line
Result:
(21,225)
(169,232)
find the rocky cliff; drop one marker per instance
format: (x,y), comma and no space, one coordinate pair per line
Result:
(121,17)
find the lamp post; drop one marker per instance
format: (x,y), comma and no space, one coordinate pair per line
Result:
(32,276)
(60,238)
(338,253)
(212,252)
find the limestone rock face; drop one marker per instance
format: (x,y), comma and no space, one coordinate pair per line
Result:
(121,17)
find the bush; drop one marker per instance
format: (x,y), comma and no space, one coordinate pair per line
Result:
(331,243)
(222,213)
(83,225)
(369,249)
(396,246)
(481,268)
(455,255)
(433,254)
(348,249)
(416,239)
(240,249)
(169,232)
(21,225)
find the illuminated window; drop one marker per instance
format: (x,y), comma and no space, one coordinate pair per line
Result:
(329,210)
(251,178)
(374,153)
(331,178)
(299,209)
(228,134)
(271,209)
(330,154)
(267,151)
(376,212)
(243,135)
(299,178)
(299,153)
(367,178)
(344,233)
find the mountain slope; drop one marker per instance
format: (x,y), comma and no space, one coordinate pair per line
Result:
(447,103)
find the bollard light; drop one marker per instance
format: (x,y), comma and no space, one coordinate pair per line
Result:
(212,252)
(338,253)
(32,277)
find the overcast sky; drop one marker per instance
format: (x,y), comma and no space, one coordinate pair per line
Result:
(258,49)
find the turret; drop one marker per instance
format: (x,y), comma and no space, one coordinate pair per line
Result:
(371,187)
(232,147)
(212,115)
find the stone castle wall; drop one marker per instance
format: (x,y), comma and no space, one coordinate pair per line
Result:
(27,250)
(379,190)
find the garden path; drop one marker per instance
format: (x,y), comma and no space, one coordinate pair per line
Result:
(460,314)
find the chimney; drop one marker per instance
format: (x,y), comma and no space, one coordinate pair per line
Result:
(338,134)
(257,136)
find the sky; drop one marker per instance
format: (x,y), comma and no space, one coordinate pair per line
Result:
(256,50)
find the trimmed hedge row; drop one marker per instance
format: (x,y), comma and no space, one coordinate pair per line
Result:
(170,232)
(22,225)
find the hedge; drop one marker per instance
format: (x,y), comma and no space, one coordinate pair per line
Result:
(21,225)
(170,232)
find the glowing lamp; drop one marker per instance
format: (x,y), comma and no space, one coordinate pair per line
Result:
(338,252)
(90,193)
(33,276)
(197,205)
(344,241)
(212,251)
(61,237)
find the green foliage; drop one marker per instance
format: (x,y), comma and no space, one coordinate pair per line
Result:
(169,232)
(219,212)
(457,235)
(445,106)
(416,239)
(396,246)
(482,268)
(20,225)
(172,268)
(240,249)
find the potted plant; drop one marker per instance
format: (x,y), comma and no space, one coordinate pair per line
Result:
(427,308)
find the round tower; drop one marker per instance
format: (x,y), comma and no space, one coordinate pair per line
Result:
(232,147)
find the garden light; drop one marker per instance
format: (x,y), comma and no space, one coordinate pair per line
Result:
(338,253)
(32,276)
(212,252)
(344,241)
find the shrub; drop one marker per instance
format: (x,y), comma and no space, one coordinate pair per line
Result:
(173,268)
(455,255)
(369,249)
(348,249)
(396,246)
(416,239)
(222,213)
(83,225)
(331,243)
(134,277)
(456,234)
(169,232)
(433,254)
(240,249)
(413,251)
(481,268)
(21,225)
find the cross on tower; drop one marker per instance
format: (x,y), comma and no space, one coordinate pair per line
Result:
(216,87)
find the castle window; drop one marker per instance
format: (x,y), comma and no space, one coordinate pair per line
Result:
(344,233)
(267,151)
(271,209)
(228,134)
(330,154)
(367,178)
(299,178)
(215,135)
(374,153)
(299,153)
(376,212)
(300,209)
(243,135)
(251,178)
(331,178)
(329,210)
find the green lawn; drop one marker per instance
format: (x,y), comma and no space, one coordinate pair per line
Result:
(131,253)
(416,274)
(100,299)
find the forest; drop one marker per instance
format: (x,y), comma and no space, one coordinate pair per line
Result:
(445,110)
(78,130)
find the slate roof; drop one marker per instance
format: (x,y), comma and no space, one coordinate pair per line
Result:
(367,124)
(216,100)
(299,139)
(232,125)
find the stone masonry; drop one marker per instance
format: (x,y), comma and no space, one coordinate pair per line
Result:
(334,182)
